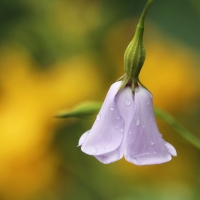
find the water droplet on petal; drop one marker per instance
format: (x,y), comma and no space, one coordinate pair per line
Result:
(128,102)
(154,152)
(111,108)
(98,117)
(121,130)
(147,103)
(152,143)
(116,127)
(122,121)
(143,126)
(118,117)
(137,122)
(129,132)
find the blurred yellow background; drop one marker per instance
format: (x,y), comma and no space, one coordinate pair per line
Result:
(57,53)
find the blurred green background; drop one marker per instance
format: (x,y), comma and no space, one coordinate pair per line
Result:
(57,53)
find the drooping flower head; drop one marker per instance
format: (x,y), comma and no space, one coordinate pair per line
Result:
(126,126)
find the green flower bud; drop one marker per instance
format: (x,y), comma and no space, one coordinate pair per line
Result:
(135,53)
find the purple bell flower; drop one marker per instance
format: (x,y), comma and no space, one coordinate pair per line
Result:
(126,126)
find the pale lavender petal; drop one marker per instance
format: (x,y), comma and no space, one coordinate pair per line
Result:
(171,149)
(106,133)
(110,157)
(82,138)
(143,142)
(125,105)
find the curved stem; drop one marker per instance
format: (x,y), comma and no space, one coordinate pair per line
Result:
(144,13)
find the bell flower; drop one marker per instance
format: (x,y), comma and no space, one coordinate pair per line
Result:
(126,126)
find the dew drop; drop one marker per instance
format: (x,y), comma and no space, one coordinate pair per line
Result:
(122,121)
(129,132)
(121,130)
(118,117)
(152,143)
(116,127)
(154,152)
(111,108)
(98,117)
(127,102)
(137,122)
(143,126)
(147,103)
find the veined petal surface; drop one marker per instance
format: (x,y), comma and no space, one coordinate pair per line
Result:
(83,138)
(125,104)
(144,144)
(110,157)
(106,133)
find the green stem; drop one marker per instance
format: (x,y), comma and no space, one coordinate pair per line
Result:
(144,13)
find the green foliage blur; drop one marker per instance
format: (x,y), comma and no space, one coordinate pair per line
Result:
(55,54)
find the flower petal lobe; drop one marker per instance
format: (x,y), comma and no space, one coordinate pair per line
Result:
(106,133)
(171,149)
(145,145)
(110,157)
(83,138)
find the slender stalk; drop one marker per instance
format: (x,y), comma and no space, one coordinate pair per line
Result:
(144,13)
